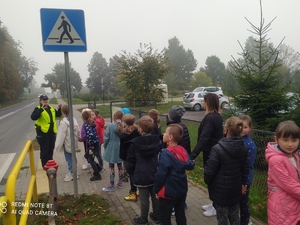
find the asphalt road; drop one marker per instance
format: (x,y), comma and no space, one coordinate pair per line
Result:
(16,128)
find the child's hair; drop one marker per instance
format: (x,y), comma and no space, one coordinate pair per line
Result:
(97,113)
(86,109)
(146,124)
(287,129)
(176,131)
(246,118)
(118,118)
(129,125)
(86,116)
(154,114)
(65,110)
(212,103)
(234,126)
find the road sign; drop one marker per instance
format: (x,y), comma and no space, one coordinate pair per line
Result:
(63,30)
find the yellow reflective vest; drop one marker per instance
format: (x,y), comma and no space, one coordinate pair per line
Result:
(44,120)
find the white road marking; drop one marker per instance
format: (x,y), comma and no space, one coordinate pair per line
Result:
(5,161)
(8,114)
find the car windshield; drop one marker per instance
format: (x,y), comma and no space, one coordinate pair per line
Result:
(198,89)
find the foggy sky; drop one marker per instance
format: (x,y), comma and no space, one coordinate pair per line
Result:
(211,27)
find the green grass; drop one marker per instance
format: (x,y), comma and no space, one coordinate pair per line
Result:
(53,101)
(88,210)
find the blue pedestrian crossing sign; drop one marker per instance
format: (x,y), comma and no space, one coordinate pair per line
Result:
(63,30)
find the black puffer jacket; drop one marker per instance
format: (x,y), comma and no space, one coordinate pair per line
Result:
(142,159)
(210,132)
(174,117)
(125,143)
(226,170)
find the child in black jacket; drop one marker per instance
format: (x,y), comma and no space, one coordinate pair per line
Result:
(226,172)
(130,132)
(141,164)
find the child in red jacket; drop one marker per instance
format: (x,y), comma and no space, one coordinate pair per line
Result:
(100,122)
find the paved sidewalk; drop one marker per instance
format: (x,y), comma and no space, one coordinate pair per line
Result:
(124,210)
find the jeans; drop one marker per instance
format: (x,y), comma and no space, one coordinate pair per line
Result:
(68,157)
(166,206)
(144,194)
(230,213)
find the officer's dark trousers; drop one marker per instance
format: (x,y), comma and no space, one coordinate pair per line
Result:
(46,142)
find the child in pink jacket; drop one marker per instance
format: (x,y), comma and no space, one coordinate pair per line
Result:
(283,175)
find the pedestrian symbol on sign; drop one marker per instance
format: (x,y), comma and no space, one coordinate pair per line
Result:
(65,25)
(63,33)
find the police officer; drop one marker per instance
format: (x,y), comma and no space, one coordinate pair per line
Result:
(45,126)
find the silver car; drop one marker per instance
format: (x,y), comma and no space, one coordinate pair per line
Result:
(194,101)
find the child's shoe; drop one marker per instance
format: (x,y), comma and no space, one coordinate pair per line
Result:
(137,192)
(131,197)
(68,177)
(140,221)
(86,166)
(210,212)
(109,188)
(120,185)
(125,179)
(154,218)
(96,178)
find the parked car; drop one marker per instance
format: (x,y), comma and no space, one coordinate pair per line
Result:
(194,101)
(213,89)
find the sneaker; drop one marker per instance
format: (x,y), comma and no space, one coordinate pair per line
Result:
(125,179)
(96,178)
(154,218)
(173,212)
(120,185)
(86,166)
(109,188)
(68,174)
(206,207)
(140,221)
(131,197)
(210,212)
(68,177)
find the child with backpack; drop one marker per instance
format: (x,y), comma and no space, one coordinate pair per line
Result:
(89,135)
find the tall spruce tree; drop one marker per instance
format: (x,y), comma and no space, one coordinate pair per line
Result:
(262,88)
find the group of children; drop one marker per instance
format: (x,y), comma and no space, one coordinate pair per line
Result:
(157,165)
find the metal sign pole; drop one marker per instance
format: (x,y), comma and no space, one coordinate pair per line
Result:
(74,159)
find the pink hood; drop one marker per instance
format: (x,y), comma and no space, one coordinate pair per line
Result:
(283,187)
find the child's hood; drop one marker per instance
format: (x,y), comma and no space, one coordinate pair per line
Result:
(272,150)
(179,153)
(234,146)
(147,145)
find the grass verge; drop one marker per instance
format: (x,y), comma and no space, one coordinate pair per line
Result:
(87,209)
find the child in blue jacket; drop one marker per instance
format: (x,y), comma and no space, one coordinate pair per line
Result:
(170,180)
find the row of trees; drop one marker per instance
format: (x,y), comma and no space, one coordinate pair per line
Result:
(258,80)
(16,70)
